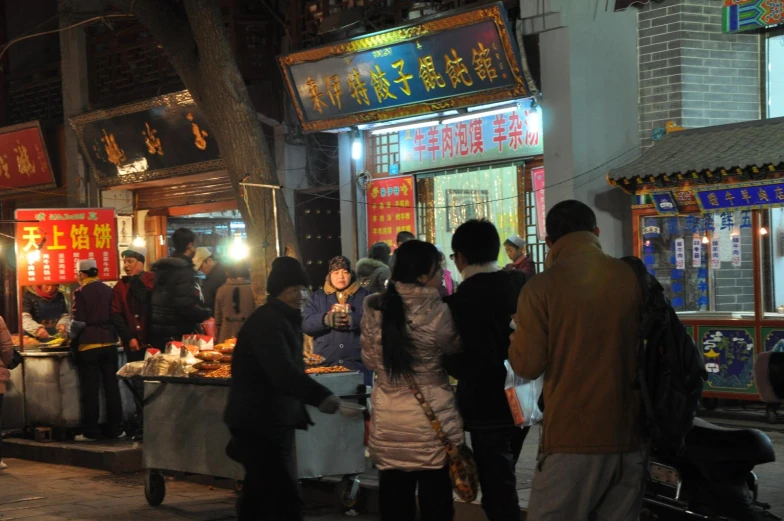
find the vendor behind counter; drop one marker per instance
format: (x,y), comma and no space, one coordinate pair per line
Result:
(44,311)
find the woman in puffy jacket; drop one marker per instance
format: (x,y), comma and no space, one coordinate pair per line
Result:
(406,331)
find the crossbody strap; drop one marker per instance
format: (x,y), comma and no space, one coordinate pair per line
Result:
(432,418)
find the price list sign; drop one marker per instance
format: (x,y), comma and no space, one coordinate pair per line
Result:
(50,249)
(390,209)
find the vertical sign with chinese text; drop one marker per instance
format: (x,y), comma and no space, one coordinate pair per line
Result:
(537,177)
(64,237)
(737,260)
(716,252)
(680,254)
(390,209)
(491,138)
(696,258)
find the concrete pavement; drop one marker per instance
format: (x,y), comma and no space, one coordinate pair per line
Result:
(35,491)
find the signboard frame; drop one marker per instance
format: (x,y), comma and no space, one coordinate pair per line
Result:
(376,209)
(432,26)
(174,100)
(51,182)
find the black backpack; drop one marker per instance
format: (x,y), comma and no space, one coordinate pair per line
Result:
(670,371)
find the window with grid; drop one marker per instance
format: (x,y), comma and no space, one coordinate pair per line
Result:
(384,152)
(537,249)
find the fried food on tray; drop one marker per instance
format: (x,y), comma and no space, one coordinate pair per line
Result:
(209,356)
(225,348)
(207,366)
(313,359)
(328,370)
(223,372)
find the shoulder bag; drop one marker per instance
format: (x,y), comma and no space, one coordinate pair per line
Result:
(462,466)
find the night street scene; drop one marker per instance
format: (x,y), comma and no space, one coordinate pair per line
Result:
(392,260)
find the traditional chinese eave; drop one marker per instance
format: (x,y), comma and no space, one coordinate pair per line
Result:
(749,151)
(679,181)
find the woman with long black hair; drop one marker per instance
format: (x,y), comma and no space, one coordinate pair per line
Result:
(406,331)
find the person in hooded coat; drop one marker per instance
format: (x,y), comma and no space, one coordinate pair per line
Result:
(333,315)
(373,272)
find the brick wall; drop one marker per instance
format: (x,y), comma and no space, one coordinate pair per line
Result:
(735,286)
(692,73)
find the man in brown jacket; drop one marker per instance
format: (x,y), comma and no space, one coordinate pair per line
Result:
(577,323)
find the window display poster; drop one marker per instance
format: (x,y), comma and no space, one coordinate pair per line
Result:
(716,253)
(390,209)
(50,243)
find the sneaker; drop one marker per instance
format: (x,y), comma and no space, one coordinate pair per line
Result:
(82,438)
(3,465)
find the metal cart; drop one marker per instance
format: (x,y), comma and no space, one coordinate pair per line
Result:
(184,432)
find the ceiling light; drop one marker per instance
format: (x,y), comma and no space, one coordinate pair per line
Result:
(400,128)
(477,115)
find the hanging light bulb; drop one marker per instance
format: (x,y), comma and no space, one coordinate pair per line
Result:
(239,250)
(139,241)
(763,230)
(705,239)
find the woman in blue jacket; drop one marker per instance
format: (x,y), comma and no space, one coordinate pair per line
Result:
(332,317)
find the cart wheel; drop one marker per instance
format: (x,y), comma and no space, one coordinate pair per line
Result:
(770,415)
(238,486)
(154,488)
(710,404)
(348,491)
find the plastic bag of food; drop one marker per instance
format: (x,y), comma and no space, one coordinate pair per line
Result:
(131,369)
(523,397)
(158,365)
(204,342)
(174,348)
(181,368)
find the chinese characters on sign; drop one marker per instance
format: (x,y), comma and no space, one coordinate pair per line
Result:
(680,254)
(390,209)
(65,237)
(665,203)
(742,197)
(139,142)
(400,72)
(716,252)
(23,159)
(503,136)
(696,255)
(537,176)
(736,257)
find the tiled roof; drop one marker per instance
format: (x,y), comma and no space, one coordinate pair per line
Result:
(752,143)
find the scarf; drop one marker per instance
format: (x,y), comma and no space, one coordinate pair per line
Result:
(89,280)
(344,295)
(46,295)
(473,269)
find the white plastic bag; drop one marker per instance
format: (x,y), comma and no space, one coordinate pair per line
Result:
(523,397)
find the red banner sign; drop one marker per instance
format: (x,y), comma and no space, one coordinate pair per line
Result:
(390,209)
(541,214)
(49,251)
(24,162)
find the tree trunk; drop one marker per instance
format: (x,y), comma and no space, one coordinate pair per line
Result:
(197,44)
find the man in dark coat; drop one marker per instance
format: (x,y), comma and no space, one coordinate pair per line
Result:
(176,304)
(267,397)
(131,313)
(400,239)
(205,262)
(482,309)
(333,315)
(94,334)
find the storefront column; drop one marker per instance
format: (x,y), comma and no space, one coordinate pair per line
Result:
(292,167)
(81,190)
(352,202)
(590,116)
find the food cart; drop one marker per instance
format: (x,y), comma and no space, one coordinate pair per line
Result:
(708,222)
(334,446)
(49,245)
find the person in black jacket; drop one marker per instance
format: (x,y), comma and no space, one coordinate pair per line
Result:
(175,302)
(267,397)
(482,308)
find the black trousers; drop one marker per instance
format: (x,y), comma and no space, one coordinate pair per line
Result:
(138,420)
(496,452)
(96,364)
(271,490)
(397,495)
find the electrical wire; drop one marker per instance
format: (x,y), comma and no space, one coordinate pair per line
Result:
(102,18)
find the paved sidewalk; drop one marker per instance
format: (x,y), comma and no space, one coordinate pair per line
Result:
(41,492)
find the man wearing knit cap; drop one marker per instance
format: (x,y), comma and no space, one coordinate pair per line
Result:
(268,393)
(131,308)
(94,334)
(333,315)
(515,247)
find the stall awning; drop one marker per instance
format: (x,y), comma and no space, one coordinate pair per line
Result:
(706,152)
